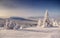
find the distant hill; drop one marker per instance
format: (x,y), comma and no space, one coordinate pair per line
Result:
(1,18)
(20,18)
(42,17)
(36,17)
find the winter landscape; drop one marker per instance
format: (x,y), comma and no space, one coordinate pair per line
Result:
(29,19)
(15,27)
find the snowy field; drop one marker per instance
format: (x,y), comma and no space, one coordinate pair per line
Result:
(30,34)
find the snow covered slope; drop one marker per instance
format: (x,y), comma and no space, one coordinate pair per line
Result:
(28,34)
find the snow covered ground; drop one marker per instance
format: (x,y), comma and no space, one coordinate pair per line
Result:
(29,34)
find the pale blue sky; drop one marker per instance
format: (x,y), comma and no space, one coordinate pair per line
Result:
(27,8)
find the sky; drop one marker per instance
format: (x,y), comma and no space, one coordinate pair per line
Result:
(29,8)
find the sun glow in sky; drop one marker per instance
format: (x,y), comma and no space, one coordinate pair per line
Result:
(28,8)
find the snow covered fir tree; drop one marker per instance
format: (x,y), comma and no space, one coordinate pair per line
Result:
(47,22)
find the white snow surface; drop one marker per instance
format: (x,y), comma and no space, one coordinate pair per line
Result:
(42,33)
